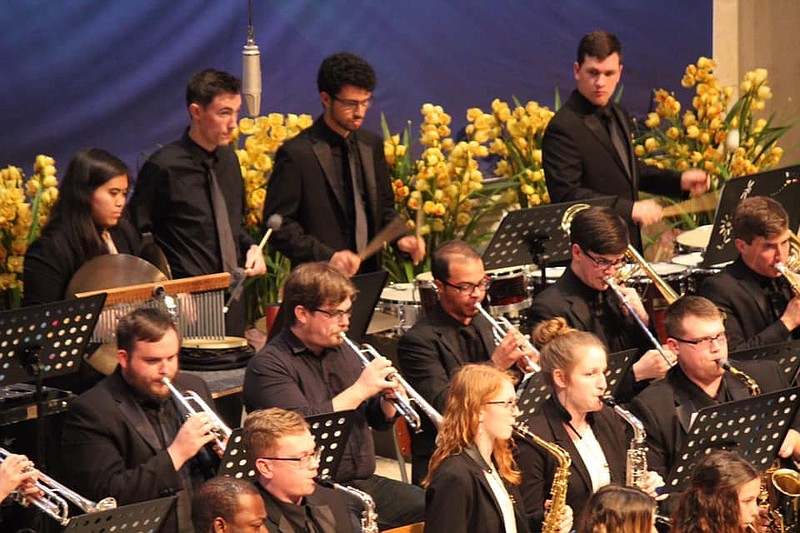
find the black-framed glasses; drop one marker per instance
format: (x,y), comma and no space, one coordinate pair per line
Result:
(338,314)
(511,405)
(466,288)
(354,104)
(605,263)
(706,342)
(304,461)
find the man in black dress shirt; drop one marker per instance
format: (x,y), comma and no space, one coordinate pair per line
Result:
(451,336)
(190,194)
(587,149)
(307,368)
(582,297)
(759,304)
(228,505)
(281,447)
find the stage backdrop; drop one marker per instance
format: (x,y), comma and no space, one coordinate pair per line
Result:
(112,74)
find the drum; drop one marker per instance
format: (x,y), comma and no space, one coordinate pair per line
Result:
(428,295)
(509,290)
(697,274)
(401,300)
(552,275)
(695,239)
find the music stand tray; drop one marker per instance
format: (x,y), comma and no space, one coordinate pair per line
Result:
(525,233)
(330,431)
(786,354)
(754,427)
(142,517)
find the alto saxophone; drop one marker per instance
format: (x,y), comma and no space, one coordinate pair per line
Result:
(369,516)
(636,458)
(750,383)
(558,492)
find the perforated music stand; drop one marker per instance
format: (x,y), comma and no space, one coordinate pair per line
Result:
(330,431)
(142,517)
(536,391)
(754,427)
(786,354)
(782,185)
(534,234)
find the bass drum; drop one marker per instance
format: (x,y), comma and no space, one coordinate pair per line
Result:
(509,290)
(428,295)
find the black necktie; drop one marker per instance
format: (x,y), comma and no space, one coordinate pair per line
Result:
(472,344)
(598,304)
(617,137)
(776,297)
(227,249)
(362,232)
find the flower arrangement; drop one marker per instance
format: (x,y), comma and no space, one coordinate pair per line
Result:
(257,142)
(25,205)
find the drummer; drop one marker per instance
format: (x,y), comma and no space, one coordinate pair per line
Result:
(599,239)
(757,301)
(452,335)
(87,221)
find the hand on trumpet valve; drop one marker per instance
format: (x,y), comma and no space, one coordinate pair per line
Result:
(196,432)
(653,365)
(636,303)
(374,378)
(511,350)
(18,473)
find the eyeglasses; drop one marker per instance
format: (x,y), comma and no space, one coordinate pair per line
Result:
(466,288)
(353,105)
(706,342)
(304,461)
(337,314)
(511,405)
(605,263)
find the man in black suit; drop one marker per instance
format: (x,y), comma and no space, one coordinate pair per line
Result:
(127,438)
(582,297)
(451,336)
(281,448)
(759,304)
(587,150)
(697,335)
(331,183)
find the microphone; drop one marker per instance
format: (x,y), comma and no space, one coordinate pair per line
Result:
(251,70)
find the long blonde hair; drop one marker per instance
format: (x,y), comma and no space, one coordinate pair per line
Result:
(471,387)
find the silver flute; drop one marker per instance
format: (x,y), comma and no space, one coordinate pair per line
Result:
(220,430)
(403,405)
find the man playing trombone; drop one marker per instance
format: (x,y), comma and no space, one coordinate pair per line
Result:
(307,368)
(126,436)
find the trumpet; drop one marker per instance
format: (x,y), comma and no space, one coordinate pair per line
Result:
(500,328)
(403,405)
(221,431)
(56,496)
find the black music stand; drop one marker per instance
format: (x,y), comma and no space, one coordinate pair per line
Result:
(534,234)
(330,430)
(142,517)
(754,427)
(786,354)
(47,339)
(782,185)
(535,391)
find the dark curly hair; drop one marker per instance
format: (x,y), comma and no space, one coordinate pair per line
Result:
(343,69)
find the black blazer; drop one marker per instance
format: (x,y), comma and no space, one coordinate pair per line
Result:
(110,448)
(305,190)
(580,161)
(328,508)
(666,407)
(539,466)
(749,321)
(459,499)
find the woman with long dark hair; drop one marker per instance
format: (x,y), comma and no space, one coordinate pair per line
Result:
(618,509)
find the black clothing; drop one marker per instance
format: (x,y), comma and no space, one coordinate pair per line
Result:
(324,511)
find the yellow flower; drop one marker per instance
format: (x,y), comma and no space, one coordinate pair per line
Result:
(692,132)
(652,120)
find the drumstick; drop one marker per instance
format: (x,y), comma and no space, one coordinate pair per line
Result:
(393,231)
(273,223)
(704,202)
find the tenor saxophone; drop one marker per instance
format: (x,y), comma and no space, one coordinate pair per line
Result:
(636,458)
(558,492)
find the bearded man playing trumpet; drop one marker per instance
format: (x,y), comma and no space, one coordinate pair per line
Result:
(758,301)
(127,438)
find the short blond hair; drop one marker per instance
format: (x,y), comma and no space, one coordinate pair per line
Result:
(263,428)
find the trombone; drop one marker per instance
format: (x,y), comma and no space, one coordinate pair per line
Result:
(220,430)
(56,496)
(403,405)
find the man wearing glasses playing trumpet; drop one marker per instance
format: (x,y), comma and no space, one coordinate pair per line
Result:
(599,239)
(307,368)
(127,438)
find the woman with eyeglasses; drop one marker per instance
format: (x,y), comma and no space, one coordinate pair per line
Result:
(576,419)
(472,479)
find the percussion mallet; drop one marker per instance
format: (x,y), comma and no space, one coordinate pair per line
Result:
(396,229)
(274,223)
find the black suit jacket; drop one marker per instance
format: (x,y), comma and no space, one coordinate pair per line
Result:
(110,448)
(328,508)
(749,320)
(305,190)
(580,161)
(539,466)
(666,407)
(429,354)
(459,499)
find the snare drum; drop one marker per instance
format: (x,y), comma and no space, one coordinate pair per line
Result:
(509,290)
(428,296)
(401,300)
(697,275)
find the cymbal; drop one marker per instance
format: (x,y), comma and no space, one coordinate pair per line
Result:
(696,238)
(110,271)
(225,343)
(104,359)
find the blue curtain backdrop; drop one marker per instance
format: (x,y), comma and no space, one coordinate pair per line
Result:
(112,73)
